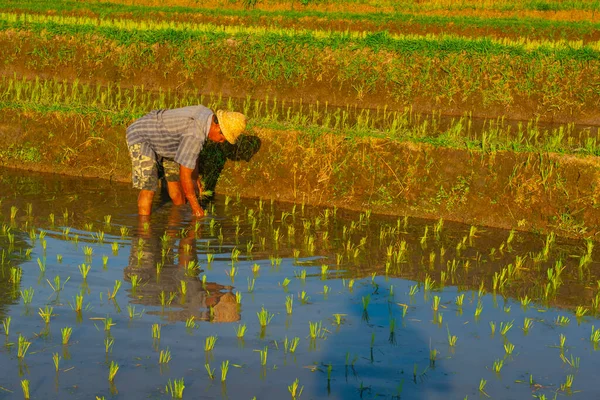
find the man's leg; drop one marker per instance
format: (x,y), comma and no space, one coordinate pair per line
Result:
(145,202)
(171,170)
(144,175)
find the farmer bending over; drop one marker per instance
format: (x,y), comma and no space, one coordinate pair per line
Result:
(173,140)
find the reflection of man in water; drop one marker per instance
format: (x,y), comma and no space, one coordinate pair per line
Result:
(147,250)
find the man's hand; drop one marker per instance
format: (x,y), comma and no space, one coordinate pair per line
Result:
(187,183)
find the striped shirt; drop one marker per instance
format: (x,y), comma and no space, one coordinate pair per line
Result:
(176,134)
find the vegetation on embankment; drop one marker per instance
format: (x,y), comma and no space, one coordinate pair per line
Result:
(553,80)
(511,27)
(77,130)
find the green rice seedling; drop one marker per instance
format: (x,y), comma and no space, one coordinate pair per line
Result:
(580,311)
(562,341)
(326,290)
(285,283)
(392,337)
(436,303)
(84,270)
(25,387)
(51,218)
(42,265)
(573,362)
(263,355)
(104,261)
(365,302)
(293,344)
(156,331)
(459,300)
(478,309)
(498,364)
(301,275)
(88,251)
(46,314)
(413,290)
(527,324)
(351,285)
(303,297)
(66,335)
(315,330)
(240,331)
(224,370)
(428,284)
(6,325)
(289,304)
(117,286)
(15,275)
(115,248)
(324,270)
(210,343)
(107,219)
(88,226)
(132,313)
(433,353)
(264,317)
(164,356)
(56,358)
(108,323)
(595,336)
(251,283)
(562,320)
(568,383)
(505,327)
(211,372)
(22,347)
(124,231)
(135,281)
(108,344)
(482,384)
(493,327)
(13,212)
(238,297)
(451,338)
(509,348)
(159,267)
(59,258)
(190,323)
(295,389)
(525,301)
(112,371)
(338,318)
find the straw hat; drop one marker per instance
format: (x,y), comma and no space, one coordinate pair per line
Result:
(232,124)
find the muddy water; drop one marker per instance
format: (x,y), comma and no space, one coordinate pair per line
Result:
(382,346)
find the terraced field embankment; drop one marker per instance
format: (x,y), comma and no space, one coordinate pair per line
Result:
(334,113)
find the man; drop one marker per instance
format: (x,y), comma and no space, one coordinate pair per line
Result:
(173,139)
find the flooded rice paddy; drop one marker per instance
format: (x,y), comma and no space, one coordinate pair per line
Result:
(275,301)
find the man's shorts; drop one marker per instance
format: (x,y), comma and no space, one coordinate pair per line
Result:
(147,167)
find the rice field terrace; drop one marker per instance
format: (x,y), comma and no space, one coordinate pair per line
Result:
(413,211)
(268,300)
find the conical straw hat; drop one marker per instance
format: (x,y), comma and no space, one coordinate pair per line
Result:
(232,124)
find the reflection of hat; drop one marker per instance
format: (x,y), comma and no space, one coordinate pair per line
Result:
(226,309)
(232,124)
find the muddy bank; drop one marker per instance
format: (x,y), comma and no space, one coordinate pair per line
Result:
(523,191)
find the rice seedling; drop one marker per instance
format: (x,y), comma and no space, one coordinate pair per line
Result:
(240,331)
(304,298)
(66,335)
(42,265)
(164,356)
(493,327)
(316,330)
(264,317)
(580,311)
(108,344)
(562,320)
(505,327)
(46,314)
(156,331)
(433,353)
(117,286)
(295,389)
(112,371)
(527,324)
(498,364)
(88,251)
(238,297)
(478,309)
(56,359)
(115,248)
(22,347)
(210,343)
(482,384)
(104,261)
(263,355)
(525,301)
(13,212)
(452,339)
(568,383)
(573,362)
(251,283)
(289,304)
(132,313)
(25,387)
(562,341)
(436,303)
(224,370)
(6,325)
(595,336)
(84,270)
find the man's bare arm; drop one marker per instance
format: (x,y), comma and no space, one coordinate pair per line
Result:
(188,185)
